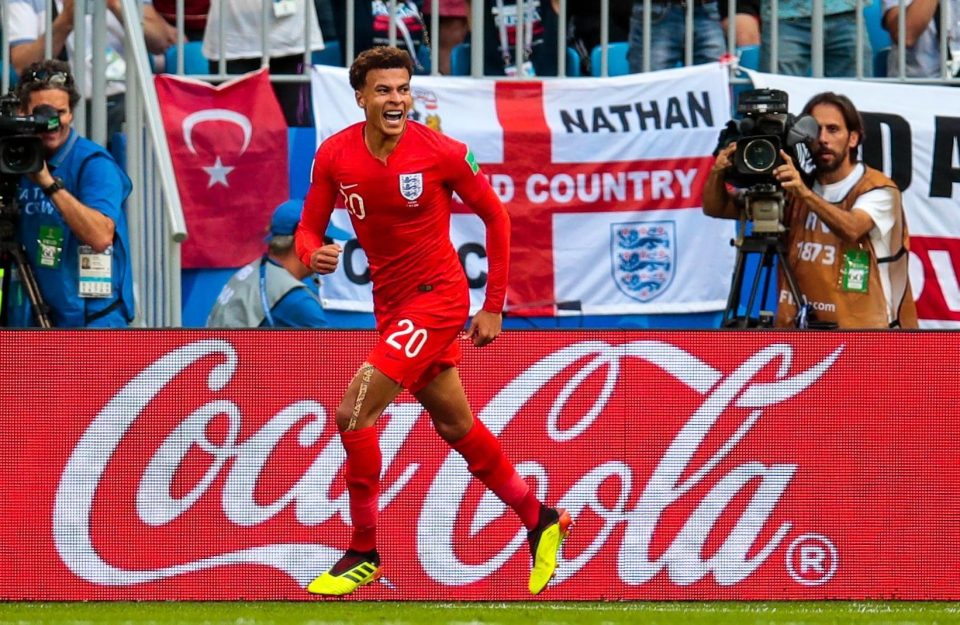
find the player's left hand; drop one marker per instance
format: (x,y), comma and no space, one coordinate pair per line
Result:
(484,327)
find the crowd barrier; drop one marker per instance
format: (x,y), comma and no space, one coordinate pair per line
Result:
(189,464)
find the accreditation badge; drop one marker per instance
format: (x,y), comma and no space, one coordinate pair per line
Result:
(49,247)
(855,271)
(96,272)
(284,8)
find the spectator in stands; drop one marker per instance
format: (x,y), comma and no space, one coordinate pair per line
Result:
(72,223)
(923,21)
(27,22)
(668,34)
(241,46)
(194,16)
(453,28)
(846,238)
(270,292)
(794,43)
(583,26)
(372,28)
(746,23)
(539,38)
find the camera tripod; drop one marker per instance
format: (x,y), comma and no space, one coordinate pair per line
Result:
(768,246)
(13,257)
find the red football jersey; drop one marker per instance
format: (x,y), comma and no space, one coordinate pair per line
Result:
(401,214)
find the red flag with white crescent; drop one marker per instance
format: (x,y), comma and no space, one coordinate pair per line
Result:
(229,149)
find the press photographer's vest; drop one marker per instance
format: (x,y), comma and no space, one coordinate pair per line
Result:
(240,304)
(821,282)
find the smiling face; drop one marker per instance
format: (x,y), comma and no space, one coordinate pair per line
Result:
(60,101)
(386,99)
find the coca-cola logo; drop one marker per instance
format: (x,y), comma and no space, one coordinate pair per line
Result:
(243,460)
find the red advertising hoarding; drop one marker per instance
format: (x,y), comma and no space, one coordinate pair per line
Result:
(697,465)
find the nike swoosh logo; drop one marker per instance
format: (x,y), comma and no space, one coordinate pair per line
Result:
(348,186)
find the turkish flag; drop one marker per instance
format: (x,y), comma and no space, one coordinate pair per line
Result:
(229,150)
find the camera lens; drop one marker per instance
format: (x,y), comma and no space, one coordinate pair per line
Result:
(15,156)
(760,155)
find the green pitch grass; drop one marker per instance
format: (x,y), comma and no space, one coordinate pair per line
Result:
(474,613)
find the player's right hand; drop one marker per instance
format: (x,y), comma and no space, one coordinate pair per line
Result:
(324,260)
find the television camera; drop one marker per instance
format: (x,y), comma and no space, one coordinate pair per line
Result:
(21,152)
(764,128)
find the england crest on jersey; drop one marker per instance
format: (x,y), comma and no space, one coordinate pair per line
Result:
(411,186)
(643,254)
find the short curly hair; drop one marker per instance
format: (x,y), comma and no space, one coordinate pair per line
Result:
(379,57)
(43,75)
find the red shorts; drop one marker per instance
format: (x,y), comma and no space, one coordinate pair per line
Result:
(414,348)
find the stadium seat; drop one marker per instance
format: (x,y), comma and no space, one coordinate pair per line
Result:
(617,64)
(749,56)
(423,57)
(193,60)
(330,55)
(873,23)
(460,61)
(573,62)
(880,62)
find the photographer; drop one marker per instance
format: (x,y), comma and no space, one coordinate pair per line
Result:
(269,292)
(846,237)
(72,223)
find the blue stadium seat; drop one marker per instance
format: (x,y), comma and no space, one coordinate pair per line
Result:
(423,57)
(573,62)
(460,61)
(749,56)
(873,22)
(193,60)
(617,64)
(330,55)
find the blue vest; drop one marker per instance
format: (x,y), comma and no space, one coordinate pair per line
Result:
(92,176)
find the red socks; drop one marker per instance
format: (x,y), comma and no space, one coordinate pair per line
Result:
(488,463)
(362,473)
(485,459)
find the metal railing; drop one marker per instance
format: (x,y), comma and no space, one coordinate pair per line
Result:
(157,224)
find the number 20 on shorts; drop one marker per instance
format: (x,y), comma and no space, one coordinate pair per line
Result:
(408,339)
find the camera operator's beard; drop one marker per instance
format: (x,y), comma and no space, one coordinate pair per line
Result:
(831,166)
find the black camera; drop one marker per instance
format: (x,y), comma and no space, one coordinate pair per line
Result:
(21,150)
(765,128)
